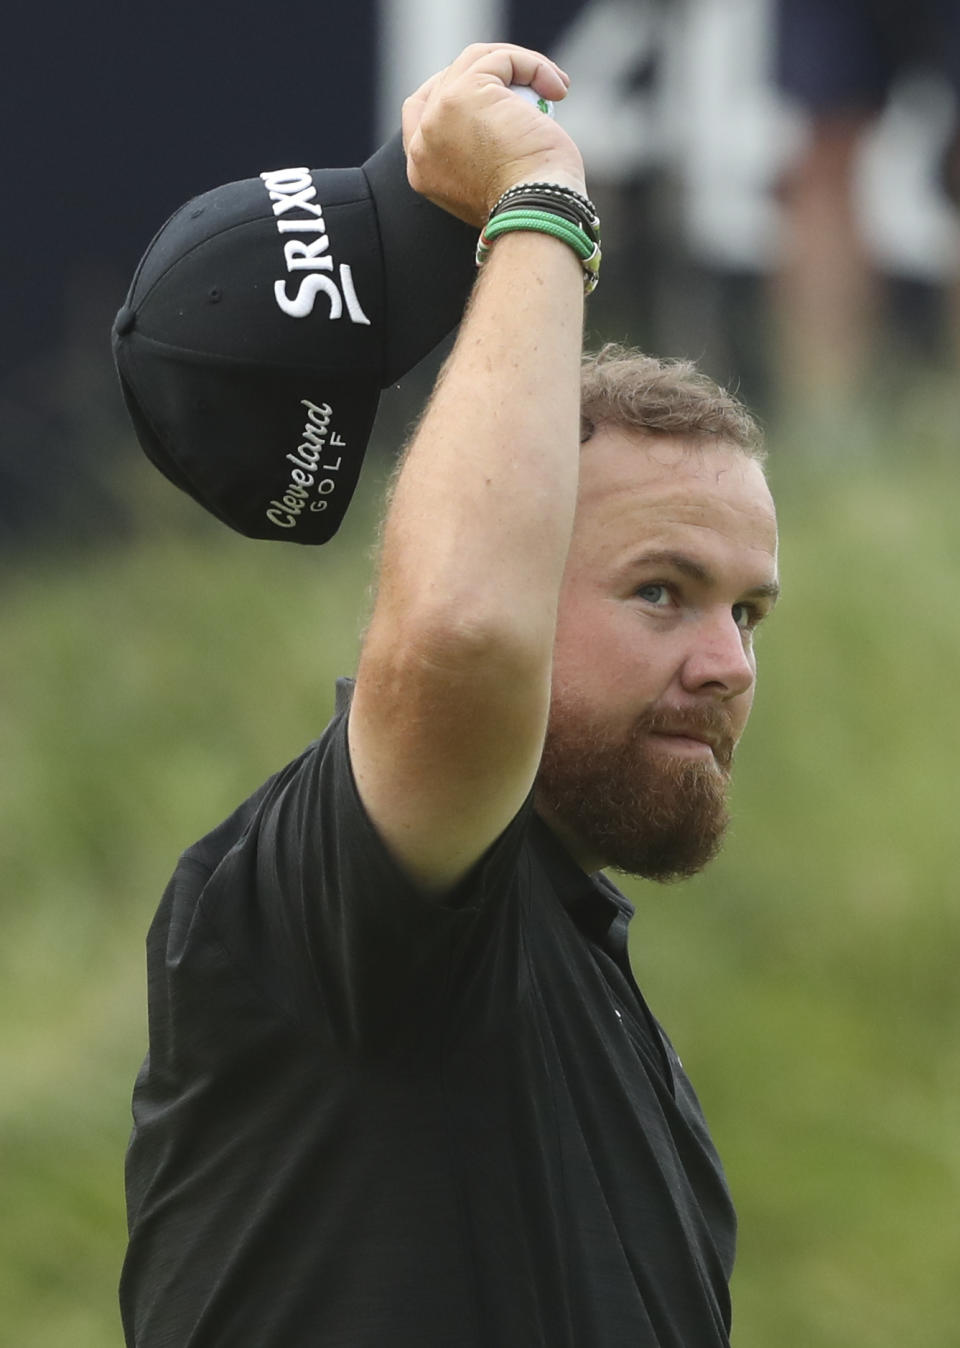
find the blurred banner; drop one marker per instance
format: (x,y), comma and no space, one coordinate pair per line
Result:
(674,105)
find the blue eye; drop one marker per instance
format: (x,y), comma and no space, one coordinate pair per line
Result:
(657,595)
(745,616)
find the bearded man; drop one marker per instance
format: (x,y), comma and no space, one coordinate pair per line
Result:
(402,1085)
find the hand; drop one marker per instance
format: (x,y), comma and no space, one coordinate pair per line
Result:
(468,139)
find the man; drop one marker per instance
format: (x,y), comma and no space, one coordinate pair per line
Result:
(402,1087)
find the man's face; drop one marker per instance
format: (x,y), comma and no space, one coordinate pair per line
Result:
(672,565)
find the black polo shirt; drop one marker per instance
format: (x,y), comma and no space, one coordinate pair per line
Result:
(369,1119)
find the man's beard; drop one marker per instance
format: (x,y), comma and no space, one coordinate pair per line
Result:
(642,809)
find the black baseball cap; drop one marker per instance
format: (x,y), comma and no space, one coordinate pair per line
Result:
(263,321)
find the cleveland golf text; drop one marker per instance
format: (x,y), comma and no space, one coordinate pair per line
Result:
(304,475)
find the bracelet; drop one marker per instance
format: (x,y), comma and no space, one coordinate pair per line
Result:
(552,197)
(514,214)
(544,222)
(552,189)
(567,210)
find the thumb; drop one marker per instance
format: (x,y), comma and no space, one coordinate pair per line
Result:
(414,105)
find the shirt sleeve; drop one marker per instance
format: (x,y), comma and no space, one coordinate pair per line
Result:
(313,906)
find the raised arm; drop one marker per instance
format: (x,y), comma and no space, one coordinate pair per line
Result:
(453,687)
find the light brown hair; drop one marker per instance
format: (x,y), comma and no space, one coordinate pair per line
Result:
(622,387)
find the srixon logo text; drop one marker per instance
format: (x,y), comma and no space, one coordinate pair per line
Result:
(311,480)
(297,211)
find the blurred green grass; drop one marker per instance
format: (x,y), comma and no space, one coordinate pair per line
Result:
(808,979)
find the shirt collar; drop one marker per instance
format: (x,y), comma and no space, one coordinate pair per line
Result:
(593,901)
(344,696)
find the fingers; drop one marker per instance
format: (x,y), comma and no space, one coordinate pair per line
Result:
(467,139)
(503,62)
(512,65)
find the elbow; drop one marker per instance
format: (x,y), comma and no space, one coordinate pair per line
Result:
(461,643)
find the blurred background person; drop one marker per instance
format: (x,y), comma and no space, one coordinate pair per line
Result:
(842,62)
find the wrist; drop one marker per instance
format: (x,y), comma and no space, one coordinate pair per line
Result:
(548,208)
(576,182)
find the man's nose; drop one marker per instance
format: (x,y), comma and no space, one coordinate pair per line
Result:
(720,660)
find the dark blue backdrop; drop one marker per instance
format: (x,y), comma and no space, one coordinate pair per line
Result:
(113,114)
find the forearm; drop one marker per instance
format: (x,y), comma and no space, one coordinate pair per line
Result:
(453,687)
(476,538)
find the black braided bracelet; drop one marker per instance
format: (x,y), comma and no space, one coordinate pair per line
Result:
(553,189)
(561,201)
(548,208)
(543,201)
